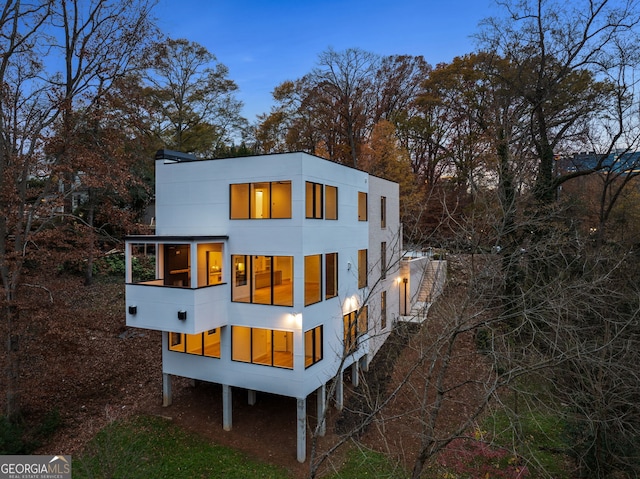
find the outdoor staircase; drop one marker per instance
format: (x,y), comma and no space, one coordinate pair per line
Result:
(431,285)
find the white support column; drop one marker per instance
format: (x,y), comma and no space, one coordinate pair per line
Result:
(226,407)
(251,397)
(301,404)
(167,397)
(355,374)
(321,398)
(364,363)
(339,391)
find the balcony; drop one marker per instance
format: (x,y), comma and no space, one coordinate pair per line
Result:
(176,283)
(152,305)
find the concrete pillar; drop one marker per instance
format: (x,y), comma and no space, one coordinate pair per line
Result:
(364,363)
(321,394)
(301,404)
(167,397)
(355,374)
(226,407)
(339,391)
(251,397)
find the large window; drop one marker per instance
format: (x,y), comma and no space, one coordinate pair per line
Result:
(331,275)
(362,206)
(262,279)
(262,200)
(312,346)
(312,279)
(331,202)
(362,268)
(262,346)
(204,344)
(355,325)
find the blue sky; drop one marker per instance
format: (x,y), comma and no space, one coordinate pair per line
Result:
(265,42)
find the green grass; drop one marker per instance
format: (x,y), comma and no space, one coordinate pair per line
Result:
(362,464)
(541,441)
(149,447)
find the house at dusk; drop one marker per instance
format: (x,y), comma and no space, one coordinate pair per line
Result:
(273,274)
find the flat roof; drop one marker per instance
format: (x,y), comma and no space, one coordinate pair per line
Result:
(171,238)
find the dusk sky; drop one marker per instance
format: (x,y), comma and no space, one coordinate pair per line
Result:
(265,42)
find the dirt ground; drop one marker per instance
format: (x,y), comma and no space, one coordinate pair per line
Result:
(81,360)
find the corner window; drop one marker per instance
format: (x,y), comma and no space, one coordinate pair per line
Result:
(312,346)
(262,346)
(263,200)
(312,279)
(262,279)
(362,268)
(204,344)
(362,206)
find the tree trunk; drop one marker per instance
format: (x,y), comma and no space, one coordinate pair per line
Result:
(13,360)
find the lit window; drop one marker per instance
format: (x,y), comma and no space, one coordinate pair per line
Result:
(262,279)
(203,344)
(331,275)
(356,323)
(176,265)
(262,346)
(362,268)
(312,279)
(331,202)
(362,206)
(239,202)
(313,200)
(263,200)
(212,343)
(312,346)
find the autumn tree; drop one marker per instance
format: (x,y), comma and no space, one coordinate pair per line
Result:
(195,100)
(565,61)
(87,45)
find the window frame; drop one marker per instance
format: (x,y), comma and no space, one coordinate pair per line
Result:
(250,213)
(314,200)
(330,280)
(317,346)
(308,300)
(330,213)
(362,206)
(252,347)
(363,269)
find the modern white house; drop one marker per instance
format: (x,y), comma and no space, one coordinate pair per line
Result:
(273,273)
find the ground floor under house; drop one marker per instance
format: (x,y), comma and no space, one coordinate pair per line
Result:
(326,394)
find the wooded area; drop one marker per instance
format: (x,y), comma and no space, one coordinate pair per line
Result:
(522,156)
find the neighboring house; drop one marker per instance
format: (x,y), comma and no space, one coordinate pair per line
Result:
(273,274)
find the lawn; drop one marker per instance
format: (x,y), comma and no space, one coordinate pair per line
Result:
(151,447)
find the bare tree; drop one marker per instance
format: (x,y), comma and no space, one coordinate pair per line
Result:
(86,45)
